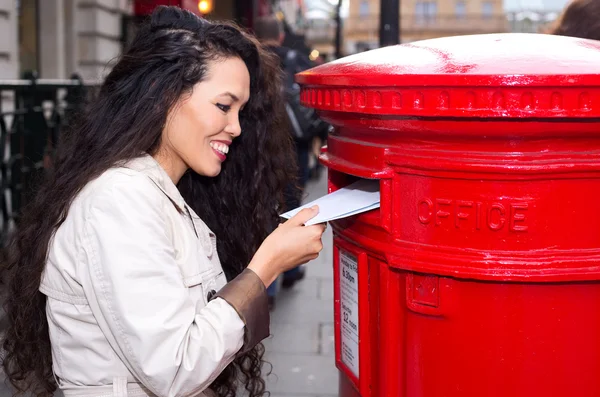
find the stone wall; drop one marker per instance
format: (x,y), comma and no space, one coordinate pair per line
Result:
(9,49)
(82,36)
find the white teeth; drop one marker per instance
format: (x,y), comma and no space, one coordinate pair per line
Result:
(221,147)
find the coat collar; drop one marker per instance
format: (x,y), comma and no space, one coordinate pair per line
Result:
(147,165)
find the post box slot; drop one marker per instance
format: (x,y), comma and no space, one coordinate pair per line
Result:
(338,180)
(381,217)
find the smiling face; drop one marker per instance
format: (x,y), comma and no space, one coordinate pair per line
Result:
(203,124)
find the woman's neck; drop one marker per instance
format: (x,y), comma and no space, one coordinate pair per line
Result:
(174,166)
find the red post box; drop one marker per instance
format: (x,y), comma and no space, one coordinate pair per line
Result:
(480,273)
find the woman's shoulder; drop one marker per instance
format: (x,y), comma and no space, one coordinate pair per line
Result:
(119,186)
(119,195)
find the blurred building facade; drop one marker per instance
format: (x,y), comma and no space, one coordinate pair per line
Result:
(320,25)
(423,19)
(294,12)
(9,42)
(57,38)
(532,16)
(531,21)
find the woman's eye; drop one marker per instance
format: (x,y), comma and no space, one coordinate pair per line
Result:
(224,108)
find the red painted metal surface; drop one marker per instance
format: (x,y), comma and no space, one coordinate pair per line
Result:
(480,273)
(145,7)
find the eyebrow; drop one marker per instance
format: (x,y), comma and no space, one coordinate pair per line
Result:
(235,98)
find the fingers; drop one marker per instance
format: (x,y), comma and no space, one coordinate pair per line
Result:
(318,246)
(319,228)
(314,244)
(303,216)
(317,232)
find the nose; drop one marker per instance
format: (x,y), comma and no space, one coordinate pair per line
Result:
(234,128)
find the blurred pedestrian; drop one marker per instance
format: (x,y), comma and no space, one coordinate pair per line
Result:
(580,18)
(303,123)
(116,282)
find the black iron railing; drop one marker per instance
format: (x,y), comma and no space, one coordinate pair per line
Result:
(33,113)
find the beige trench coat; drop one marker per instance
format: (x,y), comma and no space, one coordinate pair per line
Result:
(137,300)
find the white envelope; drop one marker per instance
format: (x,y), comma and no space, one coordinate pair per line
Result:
(361,196)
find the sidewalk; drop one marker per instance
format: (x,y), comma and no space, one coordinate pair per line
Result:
(301,347)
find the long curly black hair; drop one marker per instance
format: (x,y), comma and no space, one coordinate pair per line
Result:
(168,56)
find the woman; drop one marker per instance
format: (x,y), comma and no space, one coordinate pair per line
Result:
(115,282)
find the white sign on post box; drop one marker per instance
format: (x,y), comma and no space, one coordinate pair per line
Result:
(349,333)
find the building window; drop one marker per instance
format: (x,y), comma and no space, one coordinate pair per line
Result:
(363,10)
(460,10)
(426,11)
(487,9)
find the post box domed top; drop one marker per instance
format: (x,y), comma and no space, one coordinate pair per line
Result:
(492,75)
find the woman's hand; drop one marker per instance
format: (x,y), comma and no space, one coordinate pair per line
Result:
(290,245)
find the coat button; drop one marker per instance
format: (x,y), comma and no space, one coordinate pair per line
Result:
(210,294)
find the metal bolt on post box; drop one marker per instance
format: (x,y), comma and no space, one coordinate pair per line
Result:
(479,276)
